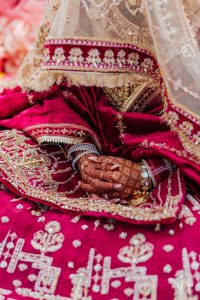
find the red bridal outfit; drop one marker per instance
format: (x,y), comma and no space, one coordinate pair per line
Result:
(117,75)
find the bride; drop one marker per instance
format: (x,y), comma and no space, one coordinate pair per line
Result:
(101,133)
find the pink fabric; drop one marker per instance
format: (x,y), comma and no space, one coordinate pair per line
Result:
(51,255)
(85,112)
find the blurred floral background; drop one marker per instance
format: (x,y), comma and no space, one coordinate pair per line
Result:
(19,20)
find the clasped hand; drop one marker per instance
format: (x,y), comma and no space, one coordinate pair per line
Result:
(113,176)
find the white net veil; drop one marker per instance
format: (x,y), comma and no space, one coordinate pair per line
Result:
(98,43)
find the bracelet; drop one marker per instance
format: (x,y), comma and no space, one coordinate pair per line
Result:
(146,181)
(78,157)
(138,197)
(151,176)
(80,147)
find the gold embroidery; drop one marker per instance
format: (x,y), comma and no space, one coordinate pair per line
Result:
(190,142)
(62,133)
(135,96)
(30,170)
(120,126)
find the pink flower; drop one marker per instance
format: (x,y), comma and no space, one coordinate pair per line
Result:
(18,23)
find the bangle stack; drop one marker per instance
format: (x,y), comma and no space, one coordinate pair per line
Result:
(146,181)
(84,149)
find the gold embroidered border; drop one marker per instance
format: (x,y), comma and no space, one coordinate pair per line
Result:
(42,133)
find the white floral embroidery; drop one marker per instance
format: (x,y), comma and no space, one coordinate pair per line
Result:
(129,292)
(22,267)
(76,243)
(75,219)
(59,55)
(116,283)
(109,227)
(32,277)
(197,138)
(17,283)
(168,248)
(121,57)
(4,219)
(70,264)
(76,55)
(19,206)
(46,55)
(187,127)
(133,59)
(147,64)
(84,227)
(94,57)
(167,268)
(172,117)
(123,235)
(171,232)
(52,227)
(109,57)
(41,219)
(96,224)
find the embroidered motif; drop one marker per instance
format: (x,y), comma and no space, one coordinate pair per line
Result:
(186,278)
(12,254)
(99,277)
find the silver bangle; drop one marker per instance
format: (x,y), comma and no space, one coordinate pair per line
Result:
(80,147)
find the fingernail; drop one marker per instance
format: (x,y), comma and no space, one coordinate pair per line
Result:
(115,200)
(114,167)
(93,158)
(118,187)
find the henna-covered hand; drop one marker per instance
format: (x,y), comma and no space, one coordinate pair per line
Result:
(125,172)
(92,184)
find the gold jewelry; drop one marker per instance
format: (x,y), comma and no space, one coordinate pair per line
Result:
(138,197)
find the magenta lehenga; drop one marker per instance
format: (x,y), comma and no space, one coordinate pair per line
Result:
(56,241)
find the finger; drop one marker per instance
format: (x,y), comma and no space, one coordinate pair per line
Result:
(105,187)
(87,187)
(99,185)
(108,176)
(103,159)
(105,167)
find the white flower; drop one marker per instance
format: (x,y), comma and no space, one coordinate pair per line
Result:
(70,264)
(168,248)
(187,127)
(59,55)
(133,59)
(32,277)
(116,283)
(123,235)
(22,267)
(94,57)
(84,227)
(17,283)
(167,268)
(19,206)
(109,227)
(109,57)
(76,243)
(52,227)
(4,219)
